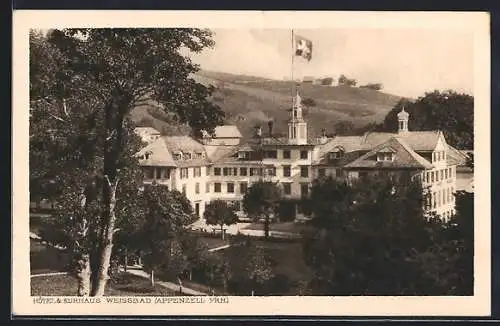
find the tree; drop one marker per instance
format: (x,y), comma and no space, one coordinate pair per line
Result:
(261,201)
(344,81)
(374,86)
(166,215)
(326,81)
(308,102)
(218,212)
(344,127)
(370,239)
(83,84)
(449,111)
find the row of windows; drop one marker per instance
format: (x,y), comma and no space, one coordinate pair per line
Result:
(230,188)
(188,155)
(156,173)
(438,156)
(439,175)
(441,197)
(273,154)
(270,171)
(333,173)
(185,172)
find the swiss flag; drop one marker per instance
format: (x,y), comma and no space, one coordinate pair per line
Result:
(303,47)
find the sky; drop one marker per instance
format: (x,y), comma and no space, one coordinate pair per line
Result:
(407,62)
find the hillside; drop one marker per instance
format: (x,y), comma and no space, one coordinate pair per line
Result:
(250,100)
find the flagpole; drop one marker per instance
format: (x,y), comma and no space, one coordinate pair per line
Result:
(293,56)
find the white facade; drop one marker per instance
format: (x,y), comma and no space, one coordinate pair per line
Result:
(295,161)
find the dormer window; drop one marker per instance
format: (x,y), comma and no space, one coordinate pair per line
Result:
(146,156)
(187,155)
(177,156)
(199,154)
(336,153)
(242,155)
(385,155)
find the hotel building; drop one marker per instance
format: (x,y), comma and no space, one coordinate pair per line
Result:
(224,166)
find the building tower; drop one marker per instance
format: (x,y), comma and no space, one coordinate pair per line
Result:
(297,127)
(403,118)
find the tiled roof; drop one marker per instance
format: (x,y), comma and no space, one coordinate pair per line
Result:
(417,140)
(161,150)
(159,154)
(404,157)
(227,131)
(183,144)
(349,144)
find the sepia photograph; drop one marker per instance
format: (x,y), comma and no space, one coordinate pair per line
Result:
(211,163)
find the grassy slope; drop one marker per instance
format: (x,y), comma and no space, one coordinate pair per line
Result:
(249,100)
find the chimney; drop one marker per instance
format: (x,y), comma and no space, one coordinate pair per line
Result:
(324,138)
(258,131)
(270,125)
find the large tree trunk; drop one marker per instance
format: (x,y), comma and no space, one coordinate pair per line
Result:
(83,275)
(222,230)
(107,243)
(266,226)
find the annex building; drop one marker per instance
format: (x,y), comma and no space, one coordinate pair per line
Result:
(224,166)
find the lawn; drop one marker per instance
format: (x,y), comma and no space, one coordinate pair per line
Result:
(287,258)
(66,285)
(290,227)
(46,259)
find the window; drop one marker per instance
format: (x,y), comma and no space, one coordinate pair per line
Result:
(243,171)
(437,176)
(207,187)
(216,171)
(442,175)
(286,154)
(271,154)
(447,195)
(235,171)
(304,189)
(321,172)
(243,187)
(217,187)
(255,171)
(184,173)
(271,171)
(432,176)
(177,156)
(187,156)
(446,173)
(243,155)
(385,157)
(433,200)
(197,188)
(363,175)
(304,171)
(149,173)
(287,170)
(184,189)
(449,172)
(199,155)
(207,169)
(304,155)
(230,187)
(339,173)
(226,171)
(197,172)
(287,188)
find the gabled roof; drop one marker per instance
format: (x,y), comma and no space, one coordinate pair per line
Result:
(227,131)
(159,155)
(161,150)
(417,140)
(455,156)
(349,144)
(404,157)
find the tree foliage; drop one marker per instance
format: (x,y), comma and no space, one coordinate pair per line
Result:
(374,86)
(449,111)
(261,202)
(218,212)
(373,238)
(83,84)
(309,102)
(344,81)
